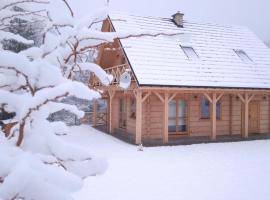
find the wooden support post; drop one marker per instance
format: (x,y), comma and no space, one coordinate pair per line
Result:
(230,114)
(111,95)
(214,117)
(166,119)
(138,117)
(245,135)
(95,107)
(269,113)
(246,99)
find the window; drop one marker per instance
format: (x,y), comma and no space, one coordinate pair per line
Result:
(177,116)
(122,113)
(133,108)
(205,109)
(190,53)
(244,57)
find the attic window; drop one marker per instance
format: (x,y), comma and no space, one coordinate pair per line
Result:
(244,57)
(190,53)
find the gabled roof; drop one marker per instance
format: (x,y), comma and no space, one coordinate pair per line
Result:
(160,61)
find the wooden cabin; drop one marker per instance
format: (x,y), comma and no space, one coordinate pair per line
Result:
(213,85)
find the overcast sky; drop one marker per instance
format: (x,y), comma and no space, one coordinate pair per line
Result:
(254,14)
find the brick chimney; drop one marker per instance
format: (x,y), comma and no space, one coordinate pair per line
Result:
(178,19)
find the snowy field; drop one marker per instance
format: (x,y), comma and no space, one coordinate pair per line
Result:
(229,171)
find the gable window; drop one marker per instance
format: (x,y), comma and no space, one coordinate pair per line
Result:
(190,53)
(205,109)
(243,55)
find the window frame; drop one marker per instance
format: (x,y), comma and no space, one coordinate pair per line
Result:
(132,108)
(210,110)
(176,118)
(122,122)
(241,51)
(186,53)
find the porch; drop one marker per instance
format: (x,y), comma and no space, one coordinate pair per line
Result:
(242,113)
(152,109)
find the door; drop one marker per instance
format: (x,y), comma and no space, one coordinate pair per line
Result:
(253,117)
(177,117)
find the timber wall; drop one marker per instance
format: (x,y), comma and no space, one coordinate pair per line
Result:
(153,112)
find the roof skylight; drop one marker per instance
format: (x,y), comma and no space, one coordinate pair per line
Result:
(243,55)
(190,53)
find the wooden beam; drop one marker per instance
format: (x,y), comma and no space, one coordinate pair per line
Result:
(95,110)
(269,113)
(230,113)
(166,119)
(111,95)
(251,97)
(146,96)
(208,97)
(205,90)
(171,98)
(241,97)
(219,96)
(138,117)
(159,96)
(214,117)
(245,135)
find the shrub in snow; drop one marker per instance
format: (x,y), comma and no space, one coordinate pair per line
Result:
(38,163)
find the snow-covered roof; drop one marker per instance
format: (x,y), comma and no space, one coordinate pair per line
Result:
(160,61)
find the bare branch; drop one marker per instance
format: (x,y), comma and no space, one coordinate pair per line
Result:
(100,21)
(104,42)
(70,10)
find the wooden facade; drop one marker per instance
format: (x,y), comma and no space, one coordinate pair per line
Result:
(143,113)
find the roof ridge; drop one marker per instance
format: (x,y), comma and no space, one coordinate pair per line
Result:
(185,21)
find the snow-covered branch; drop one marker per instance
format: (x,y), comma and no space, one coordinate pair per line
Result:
(16,3)
(18,72)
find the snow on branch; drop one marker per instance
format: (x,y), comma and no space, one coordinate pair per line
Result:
(11,36)
(17,2)
(16,15)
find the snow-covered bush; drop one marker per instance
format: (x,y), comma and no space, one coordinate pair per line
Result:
(36,162)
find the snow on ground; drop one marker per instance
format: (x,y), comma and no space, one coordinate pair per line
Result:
(223,171)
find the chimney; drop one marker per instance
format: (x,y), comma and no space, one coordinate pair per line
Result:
(178,19)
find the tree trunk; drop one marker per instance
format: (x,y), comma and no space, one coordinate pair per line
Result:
(21,134)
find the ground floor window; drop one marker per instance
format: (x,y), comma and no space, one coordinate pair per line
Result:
(205,109)
(132,108)
(177,116)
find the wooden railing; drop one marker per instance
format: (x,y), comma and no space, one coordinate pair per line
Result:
(115,71)
(101,118)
